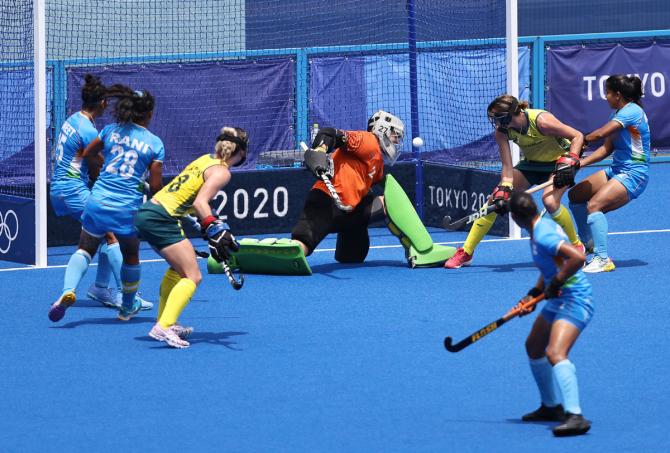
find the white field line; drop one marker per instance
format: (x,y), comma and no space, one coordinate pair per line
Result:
(616,233)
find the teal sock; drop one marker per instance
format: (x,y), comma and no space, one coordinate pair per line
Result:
(598,224)
(115,261)
(544,378)
(566,377)
(579,213)
(76,268)
(130,281)
(104,271)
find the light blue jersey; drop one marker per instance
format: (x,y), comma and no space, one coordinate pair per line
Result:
(75,134)
(575,301)
(632,143)
(69,183)
(547,238)
(129,150)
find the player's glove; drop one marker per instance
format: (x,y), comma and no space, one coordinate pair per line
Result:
(318,162)
(553,289)
(500,198)
(532,294)
(566,169)
(329,138)
(220,240)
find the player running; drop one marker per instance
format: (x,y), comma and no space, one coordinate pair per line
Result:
(130,152)
(69,185)
(567,312)
(626,135)
(158,223)
(548,146)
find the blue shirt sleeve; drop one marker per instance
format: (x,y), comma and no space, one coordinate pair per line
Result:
(88,134)
(159,153)
(104,133)
(549,243)
(628,115)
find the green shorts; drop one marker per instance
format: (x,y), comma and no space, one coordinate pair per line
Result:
(157,227)
(536,172)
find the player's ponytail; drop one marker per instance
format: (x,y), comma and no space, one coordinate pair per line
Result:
(232,135)
(132,106)
(93,92)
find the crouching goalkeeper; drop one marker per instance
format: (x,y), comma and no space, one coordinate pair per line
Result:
(342,202)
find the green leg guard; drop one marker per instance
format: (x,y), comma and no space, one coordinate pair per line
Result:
(405,223)
(267,256)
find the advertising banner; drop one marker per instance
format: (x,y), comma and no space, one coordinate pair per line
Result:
(254,202)
(576,83)
(17,229)
(458,192)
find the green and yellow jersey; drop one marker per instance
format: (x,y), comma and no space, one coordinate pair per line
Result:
(178,196)
(536,146)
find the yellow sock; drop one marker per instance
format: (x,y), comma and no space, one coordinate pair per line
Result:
(178,299)
(170,279)
(481,226)
(564,219)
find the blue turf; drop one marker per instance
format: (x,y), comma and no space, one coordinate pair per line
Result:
(349,359)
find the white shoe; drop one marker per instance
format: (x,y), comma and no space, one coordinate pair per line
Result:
(169,336)
(598,264)
(106,296)
(182,331)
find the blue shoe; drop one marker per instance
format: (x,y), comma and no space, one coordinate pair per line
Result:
(146,305)
(125,314)
(106,296)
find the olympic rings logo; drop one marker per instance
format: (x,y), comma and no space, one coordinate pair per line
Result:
(11,232)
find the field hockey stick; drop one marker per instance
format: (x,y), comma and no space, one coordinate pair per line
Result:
(329,185)
(485,210)
(481,333)
(236,284)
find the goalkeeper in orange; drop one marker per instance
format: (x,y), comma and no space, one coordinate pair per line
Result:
(356,164)
(158,222)
(550,149)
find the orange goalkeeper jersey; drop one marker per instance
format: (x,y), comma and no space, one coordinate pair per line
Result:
(358,165)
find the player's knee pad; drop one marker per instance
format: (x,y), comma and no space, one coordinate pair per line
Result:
(404,222)
(352,246)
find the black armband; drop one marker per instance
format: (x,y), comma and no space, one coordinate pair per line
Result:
(332,138)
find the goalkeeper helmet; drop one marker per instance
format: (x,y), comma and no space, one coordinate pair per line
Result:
(390,132)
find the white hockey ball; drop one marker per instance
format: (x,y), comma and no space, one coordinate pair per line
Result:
(417,142)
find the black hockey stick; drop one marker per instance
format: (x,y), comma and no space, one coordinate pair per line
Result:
(329,185)
(236,284)
(481,333)
(485,210)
